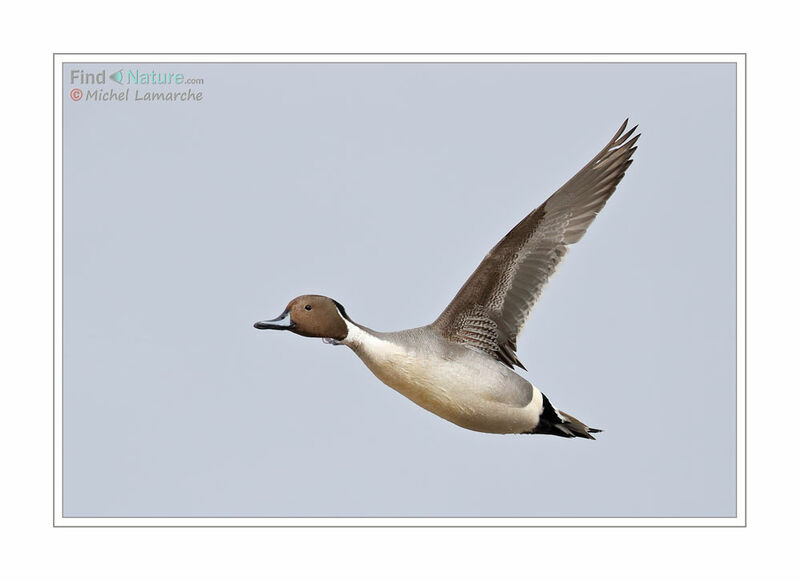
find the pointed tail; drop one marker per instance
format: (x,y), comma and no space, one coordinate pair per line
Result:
(574,428)
(558,423)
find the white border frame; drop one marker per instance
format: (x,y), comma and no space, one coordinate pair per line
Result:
(58,95)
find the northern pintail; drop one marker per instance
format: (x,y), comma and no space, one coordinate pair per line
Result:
(461,366)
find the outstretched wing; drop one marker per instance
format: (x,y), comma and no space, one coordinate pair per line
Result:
(493,305)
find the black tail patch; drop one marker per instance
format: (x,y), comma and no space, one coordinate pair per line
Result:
(561,424)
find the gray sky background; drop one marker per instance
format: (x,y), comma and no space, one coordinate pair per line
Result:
(383,186)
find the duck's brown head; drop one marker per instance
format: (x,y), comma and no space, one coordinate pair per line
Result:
(310,316)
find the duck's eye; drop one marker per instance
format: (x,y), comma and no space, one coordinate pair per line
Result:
(308,307)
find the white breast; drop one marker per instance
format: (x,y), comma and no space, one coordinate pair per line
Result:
(467,391)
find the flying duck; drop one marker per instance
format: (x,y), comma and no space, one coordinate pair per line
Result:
(461,366)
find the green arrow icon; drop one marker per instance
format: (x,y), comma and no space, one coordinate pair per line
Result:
(116,76)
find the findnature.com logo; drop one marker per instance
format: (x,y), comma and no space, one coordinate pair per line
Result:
(148,86)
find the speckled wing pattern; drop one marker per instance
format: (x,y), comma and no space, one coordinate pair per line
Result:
(493,305)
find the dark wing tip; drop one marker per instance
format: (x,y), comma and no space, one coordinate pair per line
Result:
(620,131)
(619,139)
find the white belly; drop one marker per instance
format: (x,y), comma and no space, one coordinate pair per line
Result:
(469,390)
